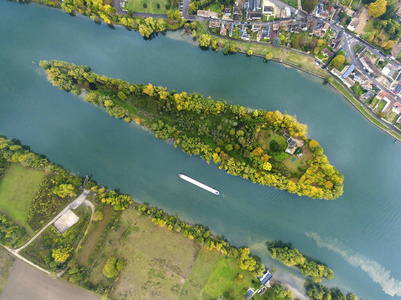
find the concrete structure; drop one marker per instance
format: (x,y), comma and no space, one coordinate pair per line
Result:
(66,221)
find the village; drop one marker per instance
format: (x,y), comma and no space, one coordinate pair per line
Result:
(329,30)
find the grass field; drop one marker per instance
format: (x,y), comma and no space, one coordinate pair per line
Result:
(17,190)
(152,6)
(369,27)
(162,264)
(266,136)
(215,6)
(381,105)
(6,264)
(293,3)
(303,62)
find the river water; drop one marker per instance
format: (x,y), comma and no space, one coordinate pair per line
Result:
(357,235)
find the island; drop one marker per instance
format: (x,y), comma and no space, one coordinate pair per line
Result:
(266,147)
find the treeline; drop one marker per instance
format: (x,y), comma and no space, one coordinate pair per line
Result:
(11,235)
(316,291)
(97,11)
(218,132)
(203,235)
(292,257)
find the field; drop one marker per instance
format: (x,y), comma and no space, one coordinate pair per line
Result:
(214,6)
(152,6)
(6,264)
(26,282)
(303,62)
(17,190)
(266,136)
(161,264)
(369,27)
(293,3)
(300,162)
(381,105)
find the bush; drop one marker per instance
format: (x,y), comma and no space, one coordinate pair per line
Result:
(145,5)
(158,5)
(167,6)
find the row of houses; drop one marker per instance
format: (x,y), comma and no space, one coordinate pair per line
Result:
(265,284)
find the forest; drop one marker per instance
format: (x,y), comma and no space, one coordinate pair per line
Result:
(244,142)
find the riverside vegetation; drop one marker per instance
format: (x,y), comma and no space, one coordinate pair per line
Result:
(244,142)
(111,255)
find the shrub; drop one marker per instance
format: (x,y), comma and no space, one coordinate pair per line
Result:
(145,5)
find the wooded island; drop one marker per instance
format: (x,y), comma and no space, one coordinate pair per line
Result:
(269,148)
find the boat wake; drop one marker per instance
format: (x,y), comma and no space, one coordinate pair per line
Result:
(376,272)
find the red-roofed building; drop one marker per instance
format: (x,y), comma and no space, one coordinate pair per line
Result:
(381,95)
(396,107)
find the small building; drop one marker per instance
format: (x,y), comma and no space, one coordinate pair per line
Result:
(287,12)
(66,221)
(354,23)
(348,71)
(292,145)
(327,52)
(265,278)
(249,293)
(396,107)
(227,11)
(207,14)
(397,89)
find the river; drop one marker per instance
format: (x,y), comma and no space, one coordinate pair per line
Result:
(357,235)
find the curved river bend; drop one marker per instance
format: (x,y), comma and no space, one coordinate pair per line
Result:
(358,235)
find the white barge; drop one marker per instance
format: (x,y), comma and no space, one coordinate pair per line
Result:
(199,184)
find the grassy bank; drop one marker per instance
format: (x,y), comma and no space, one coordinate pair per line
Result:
(6,265)
(17,190)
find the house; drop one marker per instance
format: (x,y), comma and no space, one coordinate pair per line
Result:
(227,11)
(396,107)
(66,221)
(249,293)
(268,10)
(390,71)
(254,15)
(237,12)
(348,71)
(224,28)
(324,15)
(214,24)
(265,278)
(327,52)
(287,12)
(256,27)
(367,95)
(293,144)
(381,95)
(312,27)
(366,62)
(354,23)
(266,32)
(207,14)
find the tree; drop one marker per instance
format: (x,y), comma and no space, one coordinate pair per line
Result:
(268,56)
(61,254)
(276,41)
(98,216)
(121,95)
(337,61)
(376,9)
(204,41)
(249,52)
(65,190)
(112,267)
(309,5)
(229,48)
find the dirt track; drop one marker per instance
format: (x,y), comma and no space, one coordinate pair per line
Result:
(26,282)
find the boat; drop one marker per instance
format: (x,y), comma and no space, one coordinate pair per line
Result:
(395,141)
(199,184)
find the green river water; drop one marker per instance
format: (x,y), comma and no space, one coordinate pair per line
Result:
(357,235)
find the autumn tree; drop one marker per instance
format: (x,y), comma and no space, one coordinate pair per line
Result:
(376,9)
(65,190)
(268,56)
(249,52)
(204,41)
(61,254)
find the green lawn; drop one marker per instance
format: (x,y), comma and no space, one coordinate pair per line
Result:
(17,190)
(369,26)
(293,3)
(266,136)
(381,105)
(303,62)
(345,2)
(153,6)
(375,101)
(399,56)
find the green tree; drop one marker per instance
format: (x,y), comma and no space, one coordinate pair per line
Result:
(121,95)
(276,41)
(309,5)
(376,9)
(112,267)
(249,52)
(337,61)
(98,216)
